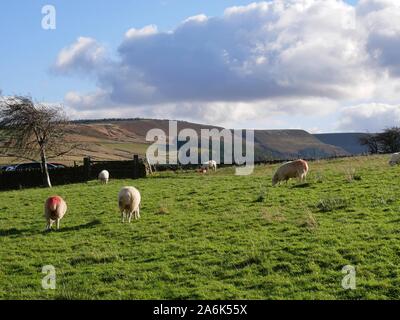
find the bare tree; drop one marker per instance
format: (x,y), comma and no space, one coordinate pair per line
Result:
(372,142)
(390,140)
(33,131)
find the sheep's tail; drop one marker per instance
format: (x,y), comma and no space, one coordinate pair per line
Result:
(53,203)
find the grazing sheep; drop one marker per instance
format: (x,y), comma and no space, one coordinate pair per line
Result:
(129,203)
(104,176)
(293,169)
(395,159)
(202,170)
(212,164)
(54,210)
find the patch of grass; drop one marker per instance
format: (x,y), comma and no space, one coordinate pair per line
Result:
(309,222)
(272,215)
(262,196)
(331,204)
(162,209)
(217,242)
(351,175)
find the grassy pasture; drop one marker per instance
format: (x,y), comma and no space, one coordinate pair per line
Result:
(213,236)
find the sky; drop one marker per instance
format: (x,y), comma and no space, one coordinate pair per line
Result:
(318,65)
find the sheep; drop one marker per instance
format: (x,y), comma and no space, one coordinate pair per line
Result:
(104,176)
(209,164)
(395,159)
(293,169)
(129,203)
(54,210)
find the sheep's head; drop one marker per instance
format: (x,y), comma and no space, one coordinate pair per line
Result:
(274,179)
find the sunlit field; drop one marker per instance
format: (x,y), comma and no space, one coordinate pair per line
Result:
(212,236)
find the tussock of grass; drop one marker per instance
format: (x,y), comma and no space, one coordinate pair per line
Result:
(331,204)
(272,215)
(162,210)
(262,196)
(309,222)
(351,175)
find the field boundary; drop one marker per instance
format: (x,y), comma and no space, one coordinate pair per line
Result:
(128,169)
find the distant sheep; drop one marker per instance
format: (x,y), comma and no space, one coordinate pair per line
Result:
(129,203)
(104,176)
(54,210)
(212,164)
(293,169)
(395,159)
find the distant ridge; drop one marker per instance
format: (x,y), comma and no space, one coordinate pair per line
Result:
(269,144)
(119,139)
(347,141)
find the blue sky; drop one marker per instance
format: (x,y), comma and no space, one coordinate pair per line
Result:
(29,50)
(28,55)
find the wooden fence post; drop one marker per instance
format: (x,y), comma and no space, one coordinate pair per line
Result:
(86,166)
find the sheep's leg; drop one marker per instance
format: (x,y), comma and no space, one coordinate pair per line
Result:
(138,212)
(58,224)
(130,216)
(123,216)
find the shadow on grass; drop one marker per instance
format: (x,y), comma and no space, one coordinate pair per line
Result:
(12,232)
(302,185)
(30,232)
(87,225)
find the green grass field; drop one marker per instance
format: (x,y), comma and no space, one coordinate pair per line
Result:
(217,236)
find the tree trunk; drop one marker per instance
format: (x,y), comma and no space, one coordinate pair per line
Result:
(45,170)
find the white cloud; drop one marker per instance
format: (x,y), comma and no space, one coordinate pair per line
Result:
(260,61)
(84,55)
(371,117)
(196,19)
(143,32)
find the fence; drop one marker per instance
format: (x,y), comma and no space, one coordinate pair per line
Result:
(176,167)
(131,169)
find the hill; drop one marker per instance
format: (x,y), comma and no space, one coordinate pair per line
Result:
(269,144)
(287,144)
(118,139)
(346,141)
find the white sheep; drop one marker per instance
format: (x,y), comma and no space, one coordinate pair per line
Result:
(395,159)
(54,210)
(209,164)
(293,169)
(129,203)
(104,176)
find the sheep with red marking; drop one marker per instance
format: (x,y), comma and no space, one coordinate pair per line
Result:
(129,203)
(104,176)
(293,169)
(54,210)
